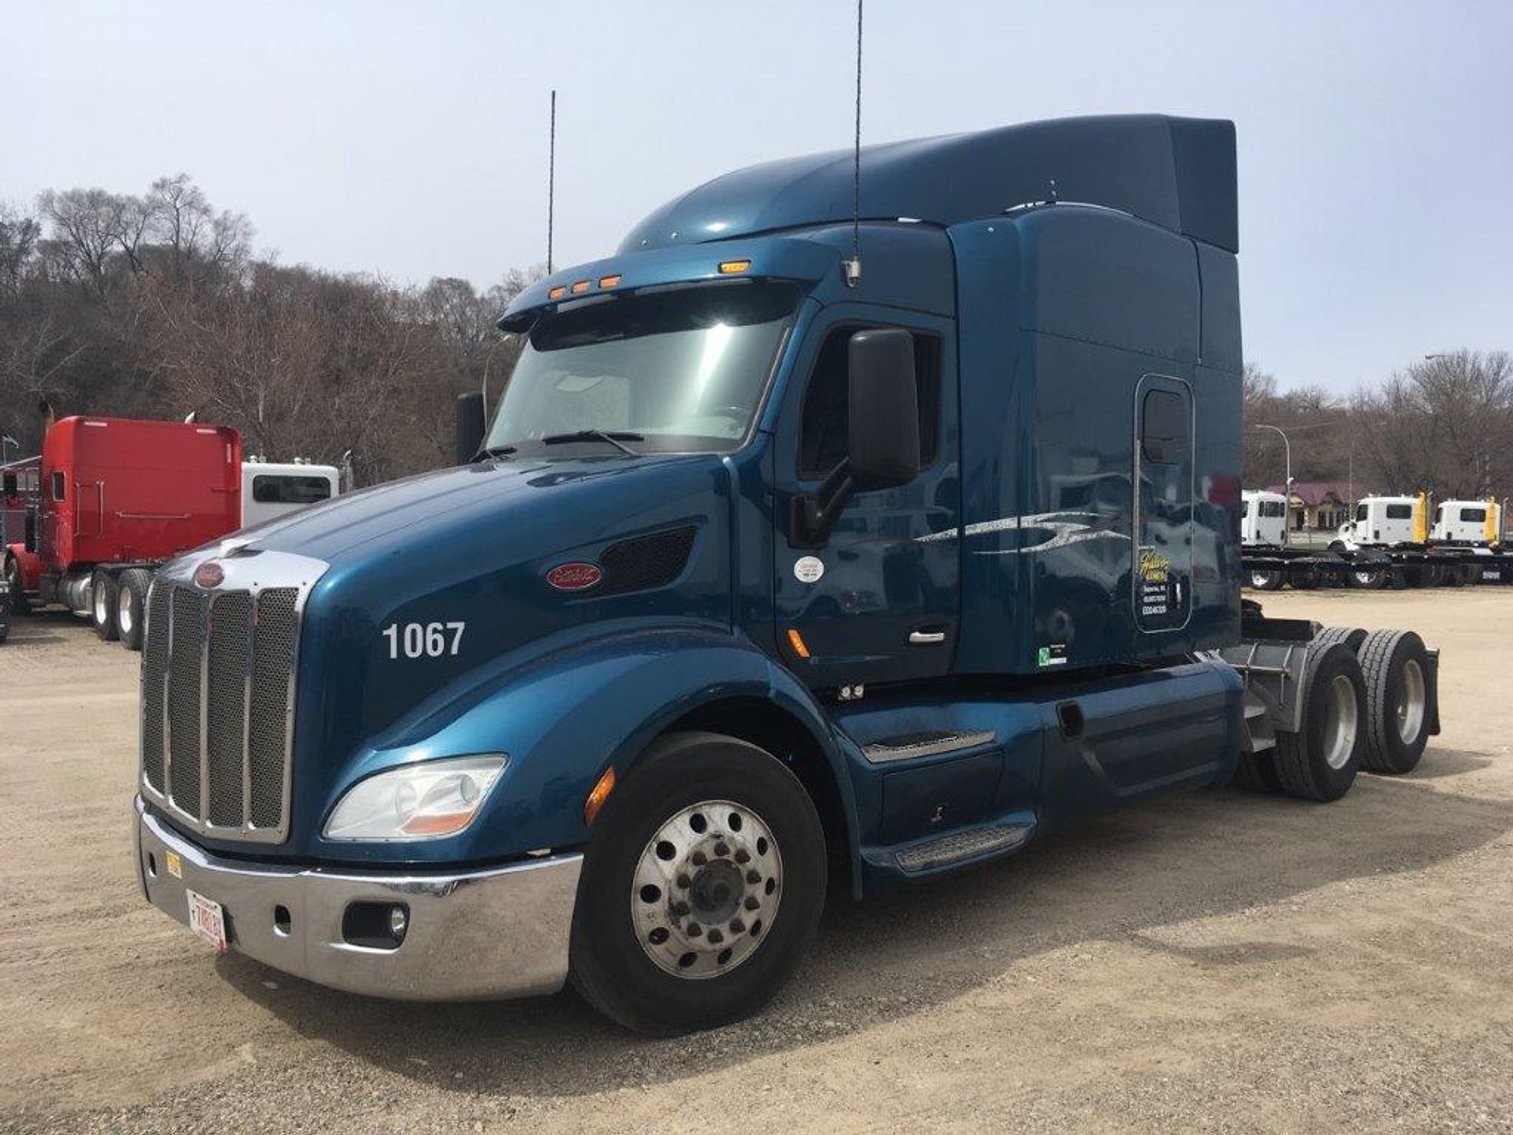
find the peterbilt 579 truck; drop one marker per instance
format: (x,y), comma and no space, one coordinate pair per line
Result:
(780,570)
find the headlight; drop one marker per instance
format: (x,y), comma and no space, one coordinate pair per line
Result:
(419,801)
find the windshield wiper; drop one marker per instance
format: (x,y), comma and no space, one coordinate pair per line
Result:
(617,438)
(494,451)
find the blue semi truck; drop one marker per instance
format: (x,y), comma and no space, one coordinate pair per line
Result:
(806,552)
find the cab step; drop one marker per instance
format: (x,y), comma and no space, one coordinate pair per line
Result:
(960,846)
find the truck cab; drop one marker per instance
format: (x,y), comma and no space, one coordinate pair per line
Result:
(1384,522)
(1467,523)
(272,489)
(803,552)
(1263,519)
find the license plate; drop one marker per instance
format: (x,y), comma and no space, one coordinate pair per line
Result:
(207,919)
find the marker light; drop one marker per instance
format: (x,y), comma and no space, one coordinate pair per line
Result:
(599,795)
(423,800)
(609,281)
(557,293)
(733,267)
(796,641)
(580,286)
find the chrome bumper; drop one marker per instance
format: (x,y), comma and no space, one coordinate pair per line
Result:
(493,933)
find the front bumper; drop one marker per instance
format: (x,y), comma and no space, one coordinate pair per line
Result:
(491,933)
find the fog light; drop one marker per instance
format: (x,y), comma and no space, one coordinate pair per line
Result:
(399,922)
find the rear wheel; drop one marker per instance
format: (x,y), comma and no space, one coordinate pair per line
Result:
(131,603)
(102,606)
(1398,700)
(1320,761)
(702,887)
(1368,578)
(1266,579)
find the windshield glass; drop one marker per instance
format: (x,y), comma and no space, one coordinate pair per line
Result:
(683,369)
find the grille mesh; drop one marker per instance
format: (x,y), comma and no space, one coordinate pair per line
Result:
(645,561)
(226,704)
(268,731)
(184,700)
(154,683)
(218,669)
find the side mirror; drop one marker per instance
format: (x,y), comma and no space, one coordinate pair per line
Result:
(470,426)
(884,414)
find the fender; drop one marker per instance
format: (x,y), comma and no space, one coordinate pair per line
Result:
(28,567)
(577,705)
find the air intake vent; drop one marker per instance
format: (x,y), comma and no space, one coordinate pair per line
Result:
(644,562)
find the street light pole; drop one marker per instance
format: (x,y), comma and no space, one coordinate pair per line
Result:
(1287,488)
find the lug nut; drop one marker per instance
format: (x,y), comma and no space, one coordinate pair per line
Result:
(742,855)
(699,859)
(721,849)
(753,877)
(694,930)
(680,908)
(736,927)
(751,902)
(716,937)
(685,882)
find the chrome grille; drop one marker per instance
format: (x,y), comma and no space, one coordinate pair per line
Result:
(218,673)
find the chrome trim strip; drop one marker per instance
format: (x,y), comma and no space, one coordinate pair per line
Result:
(880,752)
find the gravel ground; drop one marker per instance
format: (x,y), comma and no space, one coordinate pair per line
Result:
(1214,962)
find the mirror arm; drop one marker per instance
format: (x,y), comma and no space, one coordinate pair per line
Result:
(814,515)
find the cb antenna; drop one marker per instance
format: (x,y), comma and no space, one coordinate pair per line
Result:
(853,266)
(551,179)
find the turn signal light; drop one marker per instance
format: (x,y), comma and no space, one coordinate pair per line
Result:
(599,795)
(733,267)
(557,293)
(796,641)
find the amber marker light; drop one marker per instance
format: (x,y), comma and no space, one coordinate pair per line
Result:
(796,641)
(599,795)
(557,293)
(733,267)
(609,281)
(580,286)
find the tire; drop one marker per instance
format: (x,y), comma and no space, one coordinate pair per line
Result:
(1305,579)
(1367,578)
(1452,575)
(102,605)
(19,604)
(1320,762)
(131,606)
(1350,636)
(640,959)
(1399,701)
(1266,579)
(1337,546)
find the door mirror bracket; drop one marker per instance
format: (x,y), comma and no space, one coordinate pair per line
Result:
(813,515)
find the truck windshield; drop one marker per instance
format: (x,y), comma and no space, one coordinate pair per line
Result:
(681,370)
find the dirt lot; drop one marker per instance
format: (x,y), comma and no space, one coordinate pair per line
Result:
(1222,962)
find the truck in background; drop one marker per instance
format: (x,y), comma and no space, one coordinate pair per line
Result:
(781,569)
(1263,519)
(110,499)
(1402,541)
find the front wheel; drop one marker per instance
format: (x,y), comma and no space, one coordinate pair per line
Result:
(20,605)
(702,887)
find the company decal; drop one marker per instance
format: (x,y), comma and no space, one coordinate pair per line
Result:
(175,866)
(808,569)
(1042,531)
(209,575)
(1155,574)
(576,576)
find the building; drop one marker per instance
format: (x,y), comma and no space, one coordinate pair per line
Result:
(1319,506)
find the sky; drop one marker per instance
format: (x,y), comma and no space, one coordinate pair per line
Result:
(410,139)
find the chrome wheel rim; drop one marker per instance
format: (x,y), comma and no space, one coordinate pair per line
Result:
(706,889)
(102,609)
(1410,708)
(1259,579)
(125,613)
(1340,722)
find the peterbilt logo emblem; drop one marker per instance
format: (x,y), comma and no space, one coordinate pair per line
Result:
(209,575)
(574,576)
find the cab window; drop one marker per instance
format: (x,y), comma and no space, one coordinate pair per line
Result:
(1473,515)
(824,432)
(59,485)
(1399,512)
(269,488)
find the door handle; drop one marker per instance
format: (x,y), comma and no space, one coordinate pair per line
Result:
(926,638)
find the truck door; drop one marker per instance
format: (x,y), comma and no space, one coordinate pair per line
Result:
(1163,505)
(877,602)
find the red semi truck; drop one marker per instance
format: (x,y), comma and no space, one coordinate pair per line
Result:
(109,501)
